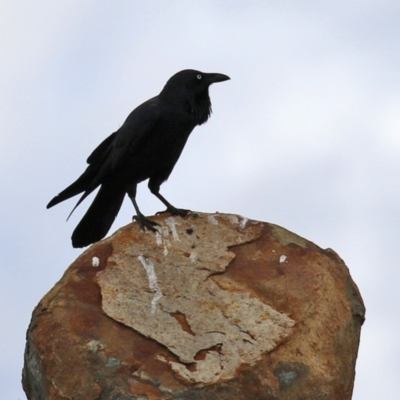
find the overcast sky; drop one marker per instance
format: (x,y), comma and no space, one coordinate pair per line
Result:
(306,135)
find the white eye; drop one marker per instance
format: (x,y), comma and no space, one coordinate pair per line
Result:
(199,76)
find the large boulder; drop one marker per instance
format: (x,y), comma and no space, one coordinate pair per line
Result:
(213,306)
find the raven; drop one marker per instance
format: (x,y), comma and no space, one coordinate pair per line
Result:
(147,146)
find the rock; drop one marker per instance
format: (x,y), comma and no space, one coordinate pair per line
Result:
(214,307)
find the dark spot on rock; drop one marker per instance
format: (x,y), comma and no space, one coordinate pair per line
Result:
(189,231)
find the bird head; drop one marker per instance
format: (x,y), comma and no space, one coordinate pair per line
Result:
(190,88)
(195,81)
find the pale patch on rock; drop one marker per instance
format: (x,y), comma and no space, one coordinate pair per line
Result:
(193,256)
(94,345)
(171,222)
(229,325)
(209,370)
(158,237)
(243,222)
(212,220)
(153,283)
(95,262)
(233,219)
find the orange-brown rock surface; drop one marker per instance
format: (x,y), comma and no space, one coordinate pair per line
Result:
(214,307)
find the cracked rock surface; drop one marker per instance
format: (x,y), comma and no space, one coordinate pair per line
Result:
(211,307)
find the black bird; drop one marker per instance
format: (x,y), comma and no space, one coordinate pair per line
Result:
(147,146)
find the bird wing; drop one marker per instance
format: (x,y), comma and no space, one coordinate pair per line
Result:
(118,147)
(99,152)
(128,138)
(113,152)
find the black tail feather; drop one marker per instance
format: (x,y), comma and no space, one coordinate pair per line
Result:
(85,183)
(83,197)
(98,219)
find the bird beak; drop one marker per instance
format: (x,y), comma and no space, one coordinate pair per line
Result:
(214,78)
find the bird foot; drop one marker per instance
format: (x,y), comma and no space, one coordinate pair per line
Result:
(175,211)
(145,223)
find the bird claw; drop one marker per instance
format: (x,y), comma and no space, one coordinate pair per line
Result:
(175,211)
(145,223)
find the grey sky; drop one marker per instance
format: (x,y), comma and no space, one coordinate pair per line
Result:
(305,135)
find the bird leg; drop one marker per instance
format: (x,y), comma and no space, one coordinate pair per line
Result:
(139,217)
(170,208)
(154,186)
(145,222)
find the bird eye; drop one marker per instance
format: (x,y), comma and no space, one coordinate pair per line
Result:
(199,76)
